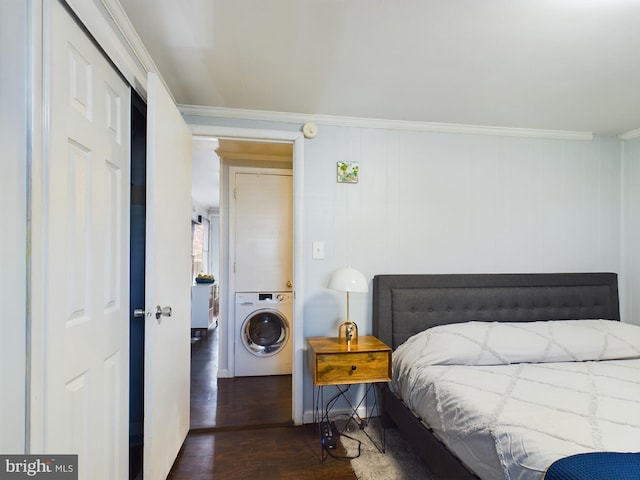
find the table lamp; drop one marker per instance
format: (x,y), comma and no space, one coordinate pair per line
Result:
(348,280)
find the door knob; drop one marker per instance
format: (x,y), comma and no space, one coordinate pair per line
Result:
(289,284)
(163,311)
(159,312)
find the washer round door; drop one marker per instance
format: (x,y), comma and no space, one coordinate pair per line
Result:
(265,332)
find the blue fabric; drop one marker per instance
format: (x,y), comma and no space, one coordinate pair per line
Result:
(596,466)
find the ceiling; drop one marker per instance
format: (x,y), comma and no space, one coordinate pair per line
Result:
(206,154)
(571,65)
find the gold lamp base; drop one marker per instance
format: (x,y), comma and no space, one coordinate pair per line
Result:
(348,332)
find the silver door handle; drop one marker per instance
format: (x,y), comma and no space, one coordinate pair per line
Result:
(163,311)
(160,312)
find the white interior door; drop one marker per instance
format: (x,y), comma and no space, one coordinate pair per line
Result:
(263,229)
(168,282)
(86,258)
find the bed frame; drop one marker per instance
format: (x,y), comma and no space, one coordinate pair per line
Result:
(404,305)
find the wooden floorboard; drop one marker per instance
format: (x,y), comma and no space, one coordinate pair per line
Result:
(241,428)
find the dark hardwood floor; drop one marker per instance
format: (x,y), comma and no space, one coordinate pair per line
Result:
(271,453)
(225,403)
(241,428)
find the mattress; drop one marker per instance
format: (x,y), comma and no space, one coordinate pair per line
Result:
(510,405)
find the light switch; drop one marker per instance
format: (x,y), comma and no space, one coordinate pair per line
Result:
(318,250)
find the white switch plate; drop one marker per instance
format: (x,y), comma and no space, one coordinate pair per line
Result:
(318,250)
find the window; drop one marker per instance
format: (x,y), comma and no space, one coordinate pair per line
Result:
(197,249)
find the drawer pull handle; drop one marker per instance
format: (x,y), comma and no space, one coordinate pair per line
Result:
(353,367)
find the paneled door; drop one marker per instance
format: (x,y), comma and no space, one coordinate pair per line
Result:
(85,259)
(167,282)
(262,226)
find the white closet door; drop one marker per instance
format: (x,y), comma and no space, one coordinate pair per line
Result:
(85,228)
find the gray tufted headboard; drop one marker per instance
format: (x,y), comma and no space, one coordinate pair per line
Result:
(406,304)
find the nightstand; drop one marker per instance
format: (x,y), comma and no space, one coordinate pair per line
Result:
(332,362)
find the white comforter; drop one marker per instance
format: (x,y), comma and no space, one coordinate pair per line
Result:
(512,420)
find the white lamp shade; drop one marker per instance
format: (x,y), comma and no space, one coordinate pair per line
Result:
(348,280)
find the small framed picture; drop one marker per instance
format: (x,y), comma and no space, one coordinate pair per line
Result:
(348,172)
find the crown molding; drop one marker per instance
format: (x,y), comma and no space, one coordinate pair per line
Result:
(131,56)
(301,118)
(118,18)
(630,135)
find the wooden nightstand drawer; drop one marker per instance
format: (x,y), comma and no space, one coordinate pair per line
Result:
(332,363)
(347,368)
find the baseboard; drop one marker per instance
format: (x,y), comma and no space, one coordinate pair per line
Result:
(308,415)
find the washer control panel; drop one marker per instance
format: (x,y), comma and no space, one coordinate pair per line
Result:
(248,298)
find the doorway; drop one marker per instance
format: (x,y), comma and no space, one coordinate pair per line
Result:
(217,396)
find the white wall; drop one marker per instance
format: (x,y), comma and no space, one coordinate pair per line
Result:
(630,285)
(444,203)
(214,245)
(13,185)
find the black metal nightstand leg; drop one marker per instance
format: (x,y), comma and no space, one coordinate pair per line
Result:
(324,416)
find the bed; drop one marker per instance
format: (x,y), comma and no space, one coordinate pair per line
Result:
(406,305)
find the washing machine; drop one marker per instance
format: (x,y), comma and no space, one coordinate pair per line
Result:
(263,331)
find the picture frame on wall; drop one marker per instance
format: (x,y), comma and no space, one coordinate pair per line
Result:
(348,172)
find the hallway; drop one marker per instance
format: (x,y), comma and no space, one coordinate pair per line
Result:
(232,403)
